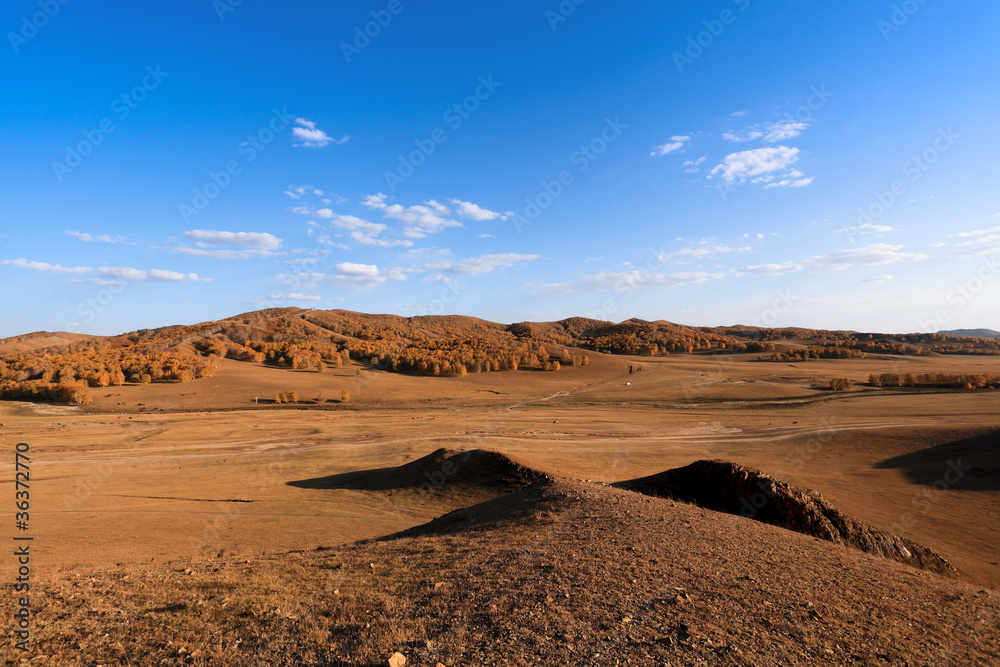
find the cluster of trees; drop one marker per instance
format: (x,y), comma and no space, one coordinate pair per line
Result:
(841,384)
(653,339)
(805,354)
(51,373)
(293,397)
(963,380)
(36,390)
(303,355)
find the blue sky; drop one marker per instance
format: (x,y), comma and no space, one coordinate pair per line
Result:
(789,164)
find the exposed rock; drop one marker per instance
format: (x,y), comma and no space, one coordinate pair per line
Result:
(728,487)
(397,660)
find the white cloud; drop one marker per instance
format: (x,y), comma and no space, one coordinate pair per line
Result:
(771,133)
(376,201)
(795,180)
(296,296)
(770,269)
(738,113)
(327,241)
(482,264)
(975,232)
(103,238)
(877,280)
(44,266)
(762,165)
(303,279)
(119,273)
(475,212)
(419,221)
(310,136)
(366,232)
(686,254)
(692,166)
(353,223)
(302,260)
(747,135)
(140,275)
(782,130)
(253,240)
(363,276)
(984,245)
(676,143)
(627,280)
(872,255)
(299,192)
(364,239)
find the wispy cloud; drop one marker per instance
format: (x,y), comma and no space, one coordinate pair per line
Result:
(482,264)
(418,221)
(363,276)
(877,280)
(297,296)
(302,191)
(103,238)
(770,269)
(44,266)
(475,212)
(117,273)
(770,133)
(676,143)
(229,245)
(693,253)
(624,280)
(307,134)
(693,166)
(762,165)
(872,255)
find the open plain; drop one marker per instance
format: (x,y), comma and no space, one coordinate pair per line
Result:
(198,476)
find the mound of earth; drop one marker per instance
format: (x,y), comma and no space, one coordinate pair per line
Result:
(442,469)
(728,487)
(558,573)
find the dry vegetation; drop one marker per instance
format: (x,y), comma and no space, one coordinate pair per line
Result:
(178,523)
(433,346)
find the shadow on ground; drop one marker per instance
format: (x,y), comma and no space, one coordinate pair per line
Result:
(972,464)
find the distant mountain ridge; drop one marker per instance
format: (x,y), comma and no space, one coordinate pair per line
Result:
(974,333)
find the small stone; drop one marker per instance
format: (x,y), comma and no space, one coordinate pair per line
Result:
(397,660)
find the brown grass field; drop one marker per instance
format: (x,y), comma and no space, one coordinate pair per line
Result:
(151,481)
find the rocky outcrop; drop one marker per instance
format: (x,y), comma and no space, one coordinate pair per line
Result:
(724,486)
